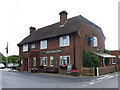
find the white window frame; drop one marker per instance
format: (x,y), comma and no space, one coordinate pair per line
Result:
(62,58)
(51,60)
(43,44)
(34,61)
(33,46)
(43,60)
(25,47)
(113,60)
(64,42)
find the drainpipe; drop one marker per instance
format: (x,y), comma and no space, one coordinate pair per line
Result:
(74,52)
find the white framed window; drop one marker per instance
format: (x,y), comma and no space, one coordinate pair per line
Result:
(34,61)
(95,42)
(43,61)
(25,47)
(113,60)
(43,44)
(33,46)
(51,60)
(64,60)
(118,56)
(64,41)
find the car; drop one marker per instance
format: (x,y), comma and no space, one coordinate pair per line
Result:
(12,66)
(2,66)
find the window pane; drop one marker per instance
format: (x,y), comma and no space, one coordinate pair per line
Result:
(95,41)
(43,44)
(25,47)
(33,46)
(34,61)
(68,60)
(64,41)
(51,61)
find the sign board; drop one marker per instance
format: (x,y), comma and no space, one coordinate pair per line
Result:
(69,68)
(52,51)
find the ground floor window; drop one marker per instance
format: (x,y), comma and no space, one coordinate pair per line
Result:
(113,61)
(64,60)
(34,61)
(51,61)
(43,61)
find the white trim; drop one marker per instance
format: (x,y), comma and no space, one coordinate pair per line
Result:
(25,47)
(113,59)
(41,61)
(43,44)
(65,57)
(64,41)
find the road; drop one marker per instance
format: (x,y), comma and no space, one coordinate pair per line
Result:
(12,79)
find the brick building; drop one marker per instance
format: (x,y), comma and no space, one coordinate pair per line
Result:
(117,54)
(61,43)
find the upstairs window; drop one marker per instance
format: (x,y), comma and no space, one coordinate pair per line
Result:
(93,41)
(64,60)
(43,44)
(64,41)
(25,47)
(33,46)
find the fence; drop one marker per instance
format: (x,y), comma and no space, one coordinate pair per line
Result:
(87,71)
(105,70)
(100,71)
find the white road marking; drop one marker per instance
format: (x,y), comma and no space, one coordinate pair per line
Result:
(99,79)
(91,82)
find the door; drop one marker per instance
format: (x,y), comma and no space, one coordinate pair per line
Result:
(26,64)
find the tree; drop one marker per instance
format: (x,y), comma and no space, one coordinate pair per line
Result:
(90,60)
(14,59)
(106,51)
(2,58)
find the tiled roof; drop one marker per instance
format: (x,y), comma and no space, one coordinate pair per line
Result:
(72,25)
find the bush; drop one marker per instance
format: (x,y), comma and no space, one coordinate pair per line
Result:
(90,60)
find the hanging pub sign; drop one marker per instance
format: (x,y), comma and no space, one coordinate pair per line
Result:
(69,68)
(52,51)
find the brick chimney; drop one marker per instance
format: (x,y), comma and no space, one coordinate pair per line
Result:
(32,29)
(63,17)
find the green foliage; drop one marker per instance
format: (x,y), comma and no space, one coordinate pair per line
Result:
(14,59)
(90,60)
(106,51)
(11,59)
(2,58)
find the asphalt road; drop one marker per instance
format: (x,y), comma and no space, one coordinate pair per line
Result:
(12,79)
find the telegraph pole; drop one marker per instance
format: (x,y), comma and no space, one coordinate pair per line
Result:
(6,54)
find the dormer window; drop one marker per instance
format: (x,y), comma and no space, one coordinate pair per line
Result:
(25,47)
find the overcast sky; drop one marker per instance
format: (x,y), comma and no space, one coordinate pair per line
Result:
(16,16)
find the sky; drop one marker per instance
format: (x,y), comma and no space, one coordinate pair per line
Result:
(16,16)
